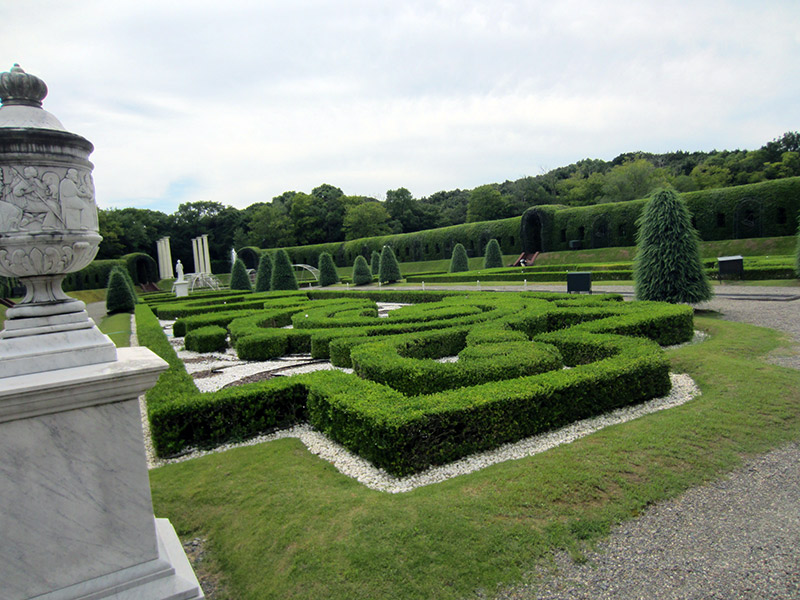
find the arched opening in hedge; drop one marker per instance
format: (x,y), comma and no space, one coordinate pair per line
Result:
(142,268)
(249,256)
(531,231)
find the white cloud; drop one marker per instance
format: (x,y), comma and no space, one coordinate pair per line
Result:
(240,101)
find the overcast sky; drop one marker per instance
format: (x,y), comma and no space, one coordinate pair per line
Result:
(238,101)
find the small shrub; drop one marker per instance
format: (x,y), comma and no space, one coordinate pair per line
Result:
(459,261)
(283,277)
(119,297)
(327,270)
(493,258)
(361,272)
(207,339)
(263,273)
(375,263)
(389,269)
(240,280)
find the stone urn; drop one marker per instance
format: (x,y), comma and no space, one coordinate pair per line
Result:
(48,228)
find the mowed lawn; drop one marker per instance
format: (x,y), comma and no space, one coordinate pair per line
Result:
(281,523)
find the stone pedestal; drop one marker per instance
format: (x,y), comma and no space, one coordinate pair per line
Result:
(181,288)
(76,516)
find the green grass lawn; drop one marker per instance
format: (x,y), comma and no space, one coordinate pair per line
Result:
(118,328)
(282,523)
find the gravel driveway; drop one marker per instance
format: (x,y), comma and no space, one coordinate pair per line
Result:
(738,537)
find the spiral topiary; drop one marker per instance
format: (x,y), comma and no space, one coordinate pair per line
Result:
(389,270)
(361,271)
(667,267)
(283,277)
(459,261)
(493,257)
(240,280)
(263,273)
(327,270)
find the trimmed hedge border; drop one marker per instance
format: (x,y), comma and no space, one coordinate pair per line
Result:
(491,396)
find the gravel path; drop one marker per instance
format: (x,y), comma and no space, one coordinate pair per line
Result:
(738,537)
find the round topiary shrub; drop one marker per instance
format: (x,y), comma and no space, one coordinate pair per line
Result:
(119,296)
(327,270)
(264,273)
(375,263)
(283,277)
(667,267)
(211,338)
(240,280)
(361,271)
(459,261)
(493,257)
(389,269)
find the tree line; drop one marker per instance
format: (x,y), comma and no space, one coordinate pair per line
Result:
(327,214)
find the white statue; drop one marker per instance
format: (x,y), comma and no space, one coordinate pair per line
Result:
(179,270)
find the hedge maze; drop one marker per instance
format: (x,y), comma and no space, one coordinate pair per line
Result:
(527,363)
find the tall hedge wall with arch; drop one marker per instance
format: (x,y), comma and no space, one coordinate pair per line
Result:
(431,244)
(766,209)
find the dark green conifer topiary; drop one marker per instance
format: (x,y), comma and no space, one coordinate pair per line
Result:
(493,257)
(119,297)
(283,277)
(361,271)
(797,250)
(375,263)
(390,270)
(240,280)
(668,267)
(263,273)
(459,261)
(327,270)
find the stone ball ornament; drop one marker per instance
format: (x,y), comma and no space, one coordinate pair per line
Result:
(48,216)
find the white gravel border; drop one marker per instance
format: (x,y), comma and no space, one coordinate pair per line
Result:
(352,465)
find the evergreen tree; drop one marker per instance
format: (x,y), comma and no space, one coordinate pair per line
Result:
(119,297)
(327,270)
(361,271)
(493,258)
(797,251)
(389,269)
(375,263)
(240,280)
(459,261)
(283,277)
(668,267)
(263,273)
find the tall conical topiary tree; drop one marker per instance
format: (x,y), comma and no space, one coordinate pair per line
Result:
(390,270)
(119,297)
(375,263)
(361,271)
(240,280)
(283,277)
(459,261)
(263,273)
(797,250)
(327,270)
(668,267)
(493,257)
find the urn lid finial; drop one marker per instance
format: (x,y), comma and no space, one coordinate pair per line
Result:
(21,88)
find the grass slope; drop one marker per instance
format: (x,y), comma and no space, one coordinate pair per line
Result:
(281,523)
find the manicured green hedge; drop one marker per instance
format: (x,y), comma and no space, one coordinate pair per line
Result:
(602,338)
(211,338)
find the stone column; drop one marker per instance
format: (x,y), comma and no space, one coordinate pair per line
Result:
(76,516)
(170,274)
(198,267)
(206,256)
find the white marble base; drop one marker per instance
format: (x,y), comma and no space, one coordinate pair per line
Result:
(34,341)
(76,516)
(181,288)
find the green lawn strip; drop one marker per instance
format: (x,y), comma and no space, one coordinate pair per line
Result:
(283,524)
(118,328)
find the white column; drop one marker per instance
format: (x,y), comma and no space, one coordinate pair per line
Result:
(206,255)
(170,274)
(160,253)
(198,268)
